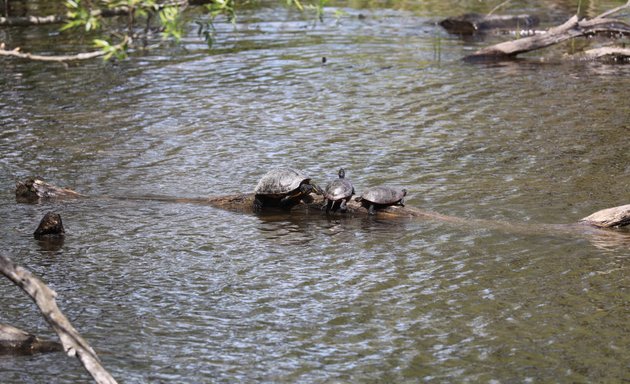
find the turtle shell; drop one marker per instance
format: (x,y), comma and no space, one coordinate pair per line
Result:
(339,189)
(383,195)
(280,181)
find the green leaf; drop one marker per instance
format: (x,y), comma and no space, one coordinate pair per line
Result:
(101,43)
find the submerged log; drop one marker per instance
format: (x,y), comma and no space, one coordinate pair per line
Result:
(244,203)
(50,232)
(474,23)
(14,341)
(33,190)
(49,227)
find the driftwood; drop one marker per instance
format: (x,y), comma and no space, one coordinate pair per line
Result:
(607,54)
(33,189)
(44,297)
(572,28)
(610,217)
(57,58)
(474,23)
(14,341)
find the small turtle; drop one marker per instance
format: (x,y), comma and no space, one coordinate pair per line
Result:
(338,192)
(282,187)
(381,197)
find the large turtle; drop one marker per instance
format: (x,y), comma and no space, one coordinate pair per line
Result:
(282,187)
(380,197)
(338,192)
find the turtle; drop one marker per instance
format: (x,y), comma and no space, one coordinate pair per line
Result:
(338,192)
(380,197)
(282,187)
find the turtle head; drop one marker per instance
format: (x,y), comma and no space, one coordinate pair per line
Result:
(309,187)
(404,191)
(316,189)
(342,173)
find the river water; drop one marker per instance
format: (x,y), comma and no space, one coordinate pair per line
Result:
(174,292)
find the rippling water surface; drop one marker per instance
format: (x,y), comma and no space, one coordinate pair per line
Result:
(172,292)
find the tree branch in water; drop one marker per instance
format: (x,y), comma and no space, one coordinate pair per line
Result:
(33,190)
(44,297)
(572,28)
(57,58)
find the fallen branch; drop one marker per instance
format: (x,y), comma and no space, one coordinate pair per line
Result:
(607,53)
(63,58)
(572,28)
(33,189)
(44,297)
(25,21)
(57,58)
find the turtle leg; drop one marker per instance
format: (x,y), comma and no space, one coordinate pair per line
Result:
(371,210)
(294,197)
(258,204)
(287,202)
(329,205)
(342,206)
(402,202)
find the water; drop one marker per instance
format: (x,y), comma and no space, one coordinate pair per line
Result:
(171,292)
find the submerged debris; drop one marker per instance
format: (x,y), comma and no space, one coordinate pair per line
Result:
(50,227)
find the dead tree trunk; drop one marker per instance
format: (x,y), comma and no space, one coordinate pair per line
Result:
(44,297)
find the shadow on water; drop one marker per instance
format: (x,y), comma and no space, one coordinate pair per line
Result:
(300,226)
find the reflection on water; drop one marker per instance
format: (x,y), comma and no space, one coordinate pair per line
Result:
(187,293)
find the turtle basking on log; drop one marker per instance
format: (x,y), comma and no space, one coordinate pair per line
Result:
(338,192)
(282,187)
(614,217)
(381,197)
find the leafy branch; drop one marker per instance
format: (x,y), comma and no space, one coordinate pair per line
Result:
(142,19)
